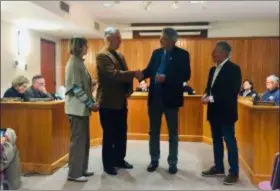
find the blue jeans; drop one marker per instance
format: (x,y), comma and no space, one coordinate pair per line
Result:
(226,132)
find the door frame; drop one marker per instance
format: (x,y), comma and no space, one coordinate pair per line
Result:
(54,43)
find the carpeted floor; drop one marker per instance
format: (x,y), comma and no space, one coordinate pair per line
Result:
(193,157)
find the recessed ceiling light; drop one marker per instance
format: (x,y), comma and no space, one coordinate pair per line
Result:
(174,5)
(196,1)
(108,3)
(147,5)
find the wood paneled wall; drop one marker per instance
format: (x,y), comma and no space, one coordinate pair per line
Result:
(257,57)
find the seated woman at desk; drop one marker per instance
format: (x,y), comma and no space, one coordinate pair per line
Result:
(143,87)
(247,89)
(19,85)
(188,89)
(272,93)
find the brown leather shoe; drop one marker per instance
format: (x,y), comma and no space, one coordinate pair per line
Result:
(212,172)
(231,179)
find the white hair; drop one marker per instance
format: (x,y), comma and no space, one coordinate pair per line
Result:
(273,78)
(109,31)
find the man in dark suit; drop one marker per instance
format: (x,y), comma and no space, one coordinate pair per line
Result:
(114,86)
(168,68)
(221,94)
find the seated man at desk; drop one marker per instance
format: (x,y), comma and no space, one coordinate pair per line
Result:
(272,93)
(38,89)
(188,89)
(143,87)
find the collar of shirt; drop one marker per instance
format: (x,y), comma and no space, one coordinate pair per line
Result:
(79,58)
(247,92)
(273,91)
(221,65)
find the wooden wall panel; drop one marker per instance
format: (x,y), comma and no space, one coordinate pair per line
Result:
(257,57)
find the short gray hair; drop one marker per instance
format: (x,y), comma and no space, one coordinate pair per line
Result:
(273,78)
(19,81)
(170,33)
(109,31)
(224,46)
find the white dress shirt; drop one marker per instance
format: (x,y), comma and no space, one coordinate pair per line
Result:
(246,92)
(62,91)
(217,71)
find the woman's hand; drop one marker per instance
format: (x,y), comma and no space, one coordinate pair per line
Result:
(95,107)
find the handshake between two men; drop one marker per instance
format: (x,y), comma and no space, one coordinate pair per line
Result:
(160,78)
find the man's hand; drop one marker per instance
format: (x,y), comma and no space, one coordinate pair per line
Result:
(139,75)
(129,93)
(205,99)
(3,140)
(43,89)
(95,107)
(160,78)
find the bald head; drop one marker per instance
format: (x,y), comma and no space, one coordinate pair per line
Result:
(112,38)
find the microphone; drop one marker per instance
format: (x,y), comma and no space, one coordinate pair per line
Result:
(57,96)
(255,97)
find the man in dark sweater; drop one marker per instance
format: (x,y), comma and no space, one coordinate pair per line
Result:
(272,93)
(38,89)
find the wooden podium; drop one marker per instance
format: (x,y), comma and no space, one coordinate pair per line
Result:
(42,133)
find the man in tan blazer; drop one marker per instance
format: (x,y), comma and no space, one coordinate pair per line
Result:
(114,86)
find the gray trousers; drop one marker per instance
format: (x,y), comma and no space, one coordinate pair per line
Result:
(79,146)
(12,173)
(171,114)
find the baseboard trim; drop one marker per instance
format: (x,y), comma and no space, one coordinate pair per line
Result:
(95,142)
(255,178)
(45,169)
(164,137)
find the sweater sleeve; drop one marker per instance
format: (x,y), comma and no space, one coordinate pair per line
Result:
(82,96)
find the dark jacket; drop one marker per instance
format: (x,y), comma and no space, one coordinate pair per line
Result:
(32,93)
(225,92)
(12,93)
(250,94)
(177,71)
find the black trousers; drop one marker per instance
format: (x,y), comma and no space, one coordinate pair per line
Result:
(114,125)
